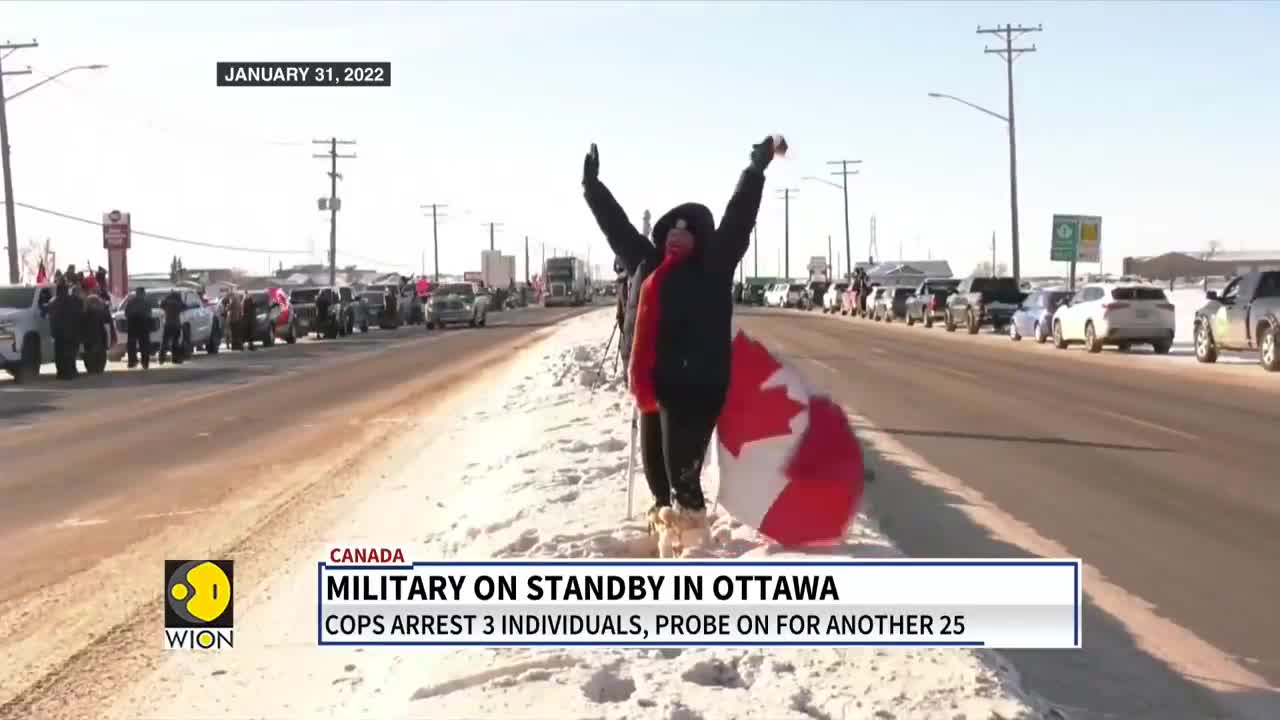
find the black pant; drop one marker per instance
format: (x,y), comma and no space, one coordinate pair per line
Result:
(171,341)
(64,357)
(673,444)
(139,343)
(246,330)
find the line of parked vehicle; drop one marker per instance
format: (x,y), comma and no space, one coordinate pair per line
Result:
(1243,317)
(26,342)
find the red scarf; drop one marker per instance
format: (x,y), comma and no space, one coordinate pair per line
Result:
(644,343)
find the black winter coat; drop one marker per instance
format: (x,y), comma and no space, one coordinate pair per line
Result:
(696,303)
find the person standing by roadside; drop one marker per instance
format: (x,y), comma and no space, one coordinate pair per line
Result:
(64,321)
(137,317)
(235,320)
(680,356)
(392,307)
(249,321)
(171,341)
(96,334)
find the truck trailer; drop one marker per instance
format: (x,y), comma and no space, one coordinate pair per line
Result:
(566,282)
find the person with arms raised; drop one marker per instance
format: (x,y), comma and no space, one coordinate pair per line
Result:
(681,301)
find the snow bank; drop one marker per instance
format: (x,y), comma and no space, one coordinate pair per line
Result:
(536,467)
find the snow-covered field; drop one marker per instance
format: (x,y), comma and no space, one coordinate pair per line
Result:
(536,467)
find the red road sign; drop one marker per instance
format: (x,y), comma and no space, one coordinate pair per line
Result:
(116,233)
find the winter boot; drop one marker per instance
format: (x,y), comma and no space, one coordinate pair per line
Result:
(682,532)
(652,517)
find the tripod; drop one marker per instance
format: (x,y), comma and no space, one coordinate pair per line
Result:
(616,331)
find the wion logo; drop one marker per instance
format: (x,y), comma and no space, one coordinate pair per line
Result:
(199,612)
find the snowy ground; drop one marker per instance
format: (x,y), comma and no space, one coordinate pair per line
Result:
(535,467)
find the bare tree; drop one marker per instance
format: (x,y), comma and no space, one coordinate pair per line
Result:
(1213,248)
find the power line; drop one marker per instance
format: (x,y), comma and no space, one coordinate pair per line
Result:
(491,226)
(844,172)
(11,230)
(333,203)
(157,236)
(786,194)
(436,216)
(1009,53)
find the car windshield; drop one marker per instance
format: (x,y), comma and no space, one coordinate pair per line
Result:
(16,297)
(153,298)
(304,296)
(462,289)
(841,287)
(903,292)
(997,284)
(797,288)
(1054,299)
(1137,293)
(374,297)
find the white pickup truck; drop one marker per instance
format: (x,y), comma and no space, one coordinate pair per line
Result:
(25,340)
(200,329)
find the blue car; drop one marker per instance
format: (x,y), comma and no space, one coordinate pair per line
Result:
(1034,319)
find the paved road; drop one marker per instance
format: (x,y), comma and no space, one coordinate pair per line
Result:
(1167,482)
(117,454)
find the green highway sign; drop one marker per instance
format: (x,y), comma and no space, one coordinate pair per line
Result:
(1076,238)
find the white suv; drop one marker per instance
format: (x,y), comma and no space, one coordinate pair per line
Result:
(25,340)
(1116,314)
(199,323)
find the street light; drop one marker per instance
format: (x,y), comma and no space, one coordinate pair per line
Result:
(1013,172)
(53,77)
(10,220)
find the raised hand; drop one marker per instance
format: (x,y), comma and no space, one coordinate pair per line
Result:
(762,153)
(591,165)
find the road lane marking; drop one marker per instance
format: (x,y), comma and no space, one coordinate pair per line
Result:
(172,513)
(959,373)
(77,522)
(1181,648)
(879,350)
(1146,423)
(823,365)
(202,435)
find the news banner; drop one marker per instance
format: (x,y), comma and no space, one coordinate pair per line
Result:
(376,597)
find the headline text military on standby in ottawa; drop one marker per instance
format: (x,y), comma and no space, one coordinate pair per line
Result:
(445,588)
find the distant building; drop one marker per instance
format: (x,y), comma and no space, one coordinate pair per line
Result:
(911,272)
(1175,265)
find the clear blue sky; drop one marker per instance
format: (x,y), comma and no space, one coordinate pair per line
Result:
(1161,118)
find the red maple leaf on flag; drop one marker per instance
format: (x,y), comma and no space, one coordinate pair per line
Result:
(750,412)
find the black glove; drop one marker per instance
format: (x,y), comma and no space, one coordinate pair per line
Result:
(591,165)
(762,154)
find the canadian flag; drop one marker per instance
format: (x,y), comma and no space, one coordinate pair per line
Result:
(790,464)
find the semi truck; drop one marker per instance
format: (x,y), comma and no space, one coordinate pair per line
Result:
(566,282)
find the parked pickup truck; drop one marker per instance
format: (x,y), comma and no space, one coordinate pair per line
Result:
(980,301)
(929,301)
(1244,317)
(25,342)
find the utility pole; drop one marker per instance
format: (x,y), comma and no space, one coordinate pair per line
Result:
(333,203)
(993,253)
(830,257)
(786,231)
(491,226)
(526,260)
(10,219)
(873,248)
(844,174)
(435,239)
(1009,53)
